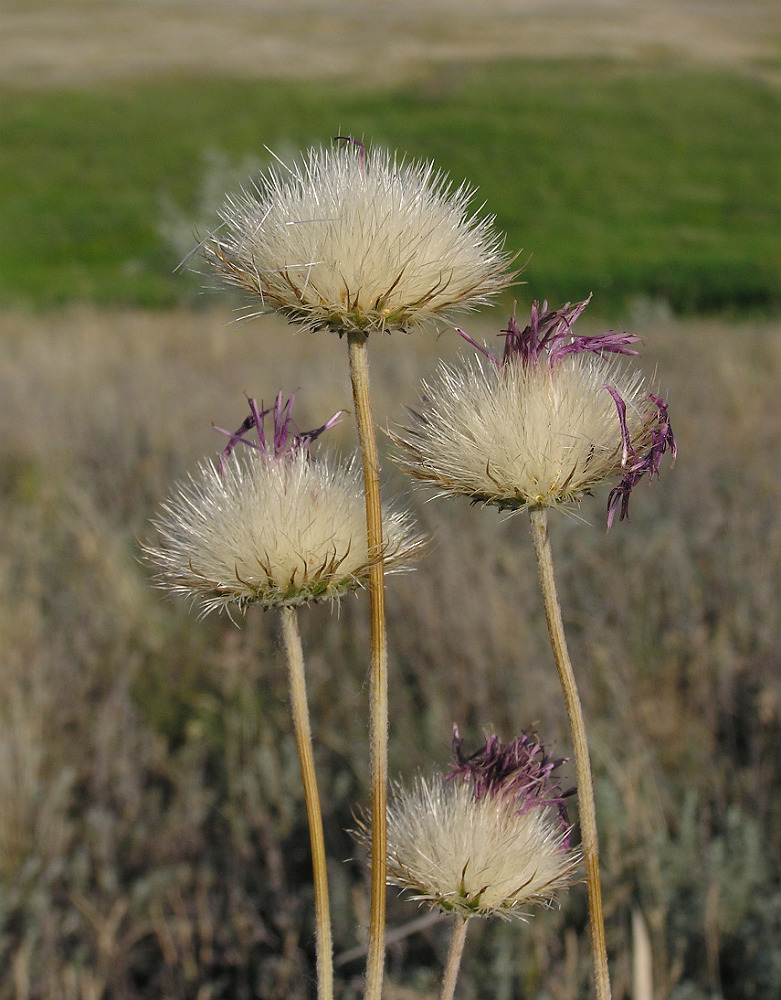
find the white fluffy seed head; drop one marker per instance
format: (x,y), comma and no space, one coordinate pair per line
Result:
(272,532)
(347,240)
(475,857)
(516,435)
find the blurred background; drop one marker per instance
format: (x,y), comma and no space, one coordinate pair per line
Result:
(152,832)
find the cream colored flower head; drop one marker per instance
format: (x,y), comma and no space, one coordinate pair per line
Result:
(271,525)
(554,417)
(356,239)
(489,839)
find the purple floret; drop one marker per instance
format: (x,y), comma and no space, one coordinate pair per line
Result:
(636,466)
(520,769)
(286,439)
(550,332)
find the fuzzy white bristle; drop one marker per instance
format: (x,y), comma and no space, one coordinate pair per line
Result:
(516,435)
(475,856)
(279,532)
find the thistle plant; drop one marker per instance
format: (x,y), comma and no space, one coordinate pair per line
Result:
(490,838)
(275,527)
(548,421)
(356,241)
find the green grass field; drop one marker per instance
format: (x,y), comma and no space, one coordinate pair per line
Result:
(628,182)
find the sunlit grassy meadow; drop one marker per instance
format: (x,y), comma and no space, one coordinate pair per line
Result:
(628,182)
(153,841)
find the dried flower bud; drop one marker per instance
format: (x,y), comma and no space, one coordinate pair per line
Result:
(356,239)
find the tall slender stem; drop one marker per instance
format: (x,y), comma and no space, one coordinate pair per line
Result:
(454,954)
(586,810)
(378,696)
(298,702)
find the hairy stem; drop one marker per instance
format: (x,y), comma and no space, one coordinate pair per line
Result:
(378,695)
(454,954)
(586,811)
(298,702)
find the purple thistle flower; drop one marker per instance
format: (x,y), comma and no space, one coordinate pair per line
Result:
(286,439)
(534,427)
(490,844)
(520,770)
(271,526)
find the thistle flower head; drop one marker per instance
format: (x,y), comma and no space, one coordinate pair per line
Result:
(272,525)
(356,239)
(542,425)
(489,838)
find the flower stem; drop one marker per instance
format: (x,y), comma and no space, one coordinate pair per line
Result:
(298,702)
(378,696)
(454,954)
(586,811)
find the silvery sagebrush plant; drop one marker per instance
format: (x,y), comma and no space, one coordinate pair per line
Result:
(270,524)
(553,417)
(359,241)
(489,838)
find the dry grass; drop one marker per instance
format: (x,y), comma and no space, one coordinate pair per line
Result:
(152,838)
(65,42)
